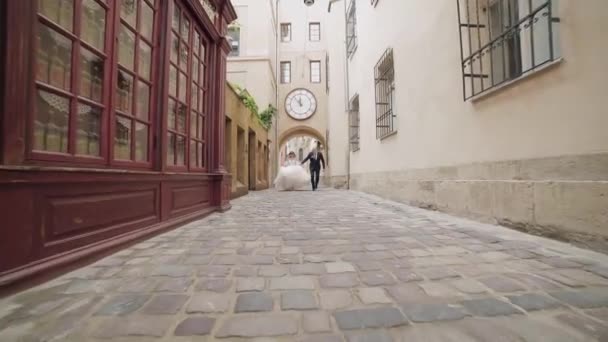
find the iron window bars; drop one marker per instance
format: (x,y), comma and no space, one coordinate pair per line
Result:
(384,78)
(351,29)
(504,39)
(315,71)
(286,32)
(353,118)
(314,32)
(285,72)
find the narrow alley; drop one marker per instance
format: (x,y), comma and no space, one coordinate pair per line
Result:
(325,266)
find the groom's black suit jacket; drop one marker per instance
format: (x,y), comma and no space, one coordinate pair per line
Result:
(315,164)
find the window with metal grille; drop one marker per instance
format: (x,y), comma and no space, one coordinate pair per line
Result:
(351,29)
(353,118)
(501,40)
(384,77)
(234,37)
(285,72)
(286,32)
(314,32)
(315,71)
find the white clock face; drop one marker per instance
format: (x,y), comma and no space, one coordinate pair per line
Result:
(300,104)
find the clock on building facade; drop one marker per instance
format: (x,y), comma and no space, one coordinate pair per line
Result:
(300,104)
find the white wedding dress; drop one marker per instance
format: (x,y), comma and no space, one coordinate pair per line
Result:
(292,176)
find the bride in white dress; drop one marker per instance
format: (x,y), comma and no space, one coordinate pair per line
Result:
(292,175)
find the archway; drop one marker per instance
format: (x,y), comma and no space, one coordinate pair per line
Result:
(299,140)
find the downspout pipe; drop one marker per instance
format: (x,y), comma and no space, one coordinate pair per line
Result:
(276,84)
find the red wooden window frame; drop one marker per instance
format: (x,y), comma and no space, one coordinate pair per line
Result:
(134,118)
(194,134)
(106,104)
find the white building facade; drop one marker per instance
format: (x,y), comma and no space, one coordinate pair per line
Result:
(490,109)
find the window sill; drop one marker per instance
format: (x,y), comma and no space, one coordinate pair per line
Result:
(511,83)
(393,133)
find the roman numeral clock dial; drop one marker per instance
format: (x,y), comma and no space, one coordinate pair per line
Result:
(300,104)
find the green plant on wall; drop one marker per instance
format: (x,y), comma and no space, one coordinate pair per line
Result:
(265,117)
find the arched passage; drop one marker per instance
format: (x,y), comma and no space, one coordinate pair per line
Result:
(301,130)
(298,139)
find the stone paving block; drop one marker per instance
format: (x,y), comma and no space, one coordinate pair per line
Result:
(260,260)
(195,326)
(335,299)
(165,304)
(307,269)
(214,284)
(342,280)
(533,281)
(423,313)
(534,301)
(272,271)
(259,325)
(369,336)
(583,325)
(122,305)
(292,283)
(438,273)
(197,260)
(318,258)
(439,289)
(250,284)
(288,259)
(558,262)
(134,326)
(137,285)
(208,302)
(489,307)
(469,286)
(408,293)
(501,284)
(365,266)
(407,275)
(602,271)
(584,298)
(373,295)
(254,302)
(377,278)
(298,300)
(321,338)
(493,256)
(316,322)
(370,318)
(339,267)
(174,285)
(246,271)
(172,271)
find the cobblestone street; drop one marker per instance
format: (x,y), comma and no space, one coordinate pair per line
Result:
(324,266)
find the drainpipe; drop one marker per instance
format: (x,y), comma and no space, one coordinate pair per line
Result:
(346,92)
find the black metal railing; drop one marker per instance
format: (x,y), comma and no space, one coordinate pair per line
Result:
(384,77)
(354,125)
(501,40)
(351,28)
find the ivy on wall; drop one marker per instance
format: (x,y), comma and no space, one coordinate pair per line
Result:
(264,117)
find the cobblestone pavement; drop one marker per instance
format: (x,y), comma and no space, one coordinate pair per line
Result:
(325,266)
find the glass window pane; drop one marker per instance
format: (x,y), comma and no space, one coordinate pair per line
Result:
(174,47)
(60,12)
(54,58)
(172,114)
(202,154)
(147,21)
(193,118)
(145,60)
(170,149)
(91,78)
(181,118)
(195,66)
(201,100)
(183,80)
(175,22)
(180,146)
(203,51)
(193,159)
(185,31)
(122,139)
(124,92)
(197,43)
(183,56)
(128,11)
(51,123)
(172,81)
(88,132)
(126,47)
(201,127)
(93,24)
(143,100)
(141,142)
(194,97)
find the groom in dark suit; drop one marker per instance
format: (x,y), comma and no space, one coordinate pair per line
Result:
(316,161)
